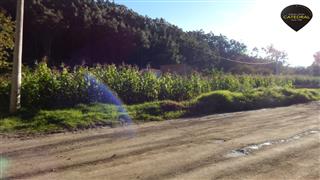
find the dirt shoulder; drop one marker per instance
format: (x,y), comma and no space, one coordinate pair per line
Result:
(195,148)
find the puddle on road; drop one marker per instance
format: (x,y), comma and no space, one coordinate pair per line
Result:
(254,147)
(219,141)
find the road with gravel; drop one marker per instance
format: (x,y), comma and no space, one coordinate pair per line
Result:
(274,143)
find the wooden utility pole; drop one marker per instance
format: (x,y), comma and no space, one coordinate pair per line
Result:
(17,60)
(277,67)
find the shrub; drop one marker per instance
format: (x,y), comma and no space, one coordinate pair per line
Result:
(226,101)
(216,101)
(4,95)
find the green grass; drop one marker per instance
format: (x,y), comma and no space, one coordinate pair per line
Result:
(95,115)
(157,111)
(48,121)
(226,101)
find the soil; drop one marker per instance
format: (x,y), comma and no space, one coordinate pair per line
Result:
(195,148)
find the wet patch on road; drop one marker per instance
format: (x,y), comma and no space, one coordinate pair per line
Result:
(254,147)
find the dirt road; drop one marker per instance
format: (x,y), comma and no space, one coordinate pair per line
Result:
(279,143)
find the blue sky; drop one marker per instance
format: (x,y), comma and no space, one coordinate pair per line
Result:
(187,14)
(253,22)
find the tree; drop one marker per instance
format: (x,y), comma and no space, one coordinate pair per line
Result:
(316,58)
(196,50)
(315,67)
(6,40)
(278,57)
(17,60)
(98,31)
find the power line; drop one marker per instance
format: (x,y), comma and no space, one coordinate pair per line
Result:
(241,62)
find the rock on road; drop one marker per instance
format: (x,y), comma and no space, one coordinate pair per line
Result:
(195,148)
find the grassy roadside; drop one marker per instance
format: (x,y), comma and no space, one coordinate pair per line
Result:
(95,115)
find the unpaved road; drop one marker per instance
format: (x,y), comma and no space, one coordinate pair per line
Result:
(196,148)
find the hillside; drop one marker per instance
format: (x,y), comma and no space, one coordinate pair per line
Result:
(87,31)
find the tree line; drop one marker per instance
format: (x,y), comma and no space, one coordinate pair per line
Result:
(87,32)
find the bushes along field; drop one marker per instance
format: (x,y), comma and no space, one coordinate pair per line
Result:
(93,115)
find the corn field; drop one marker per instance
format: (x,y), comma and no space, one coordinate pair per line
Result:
(44,87)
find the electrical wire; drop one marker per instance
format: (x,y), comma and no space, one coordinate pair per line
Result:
(241,62)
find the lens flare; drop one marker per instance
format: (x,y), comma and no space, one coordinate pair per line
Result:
(101,93)
(3,166)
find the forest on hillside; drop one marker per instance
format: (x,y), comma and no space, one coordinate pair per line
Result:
(77,32)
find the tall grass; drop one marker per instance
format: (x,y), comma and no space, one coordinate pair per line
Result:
(44,87)
(300,81)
